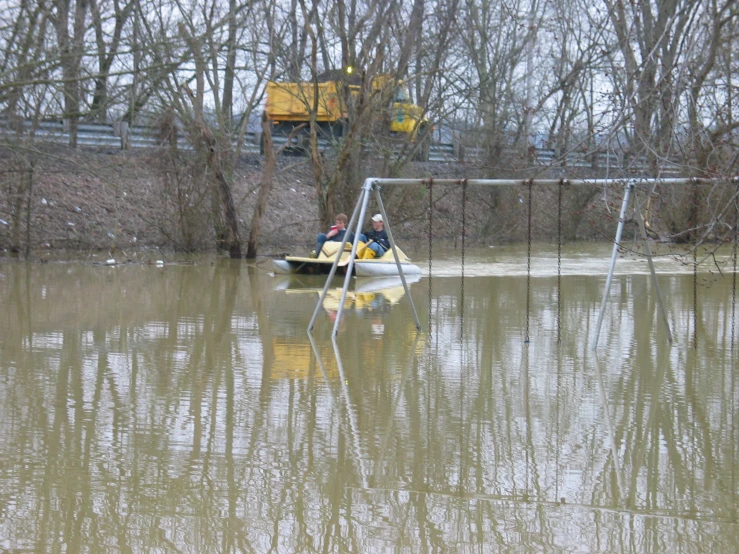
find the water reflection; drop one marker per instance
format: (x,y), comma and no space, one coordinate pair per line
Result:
(185,408)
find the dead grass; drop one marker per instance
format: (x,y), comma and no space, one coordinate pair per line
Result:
(88,200)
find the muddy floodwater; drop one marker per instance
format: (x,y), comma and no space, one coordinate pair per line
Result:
(184,408)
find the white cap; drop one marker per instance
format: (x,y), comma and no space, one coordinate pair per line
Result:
(377,217)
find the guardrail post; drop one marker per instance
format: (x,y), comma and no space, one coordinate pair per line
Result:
(125,143)
(457,149)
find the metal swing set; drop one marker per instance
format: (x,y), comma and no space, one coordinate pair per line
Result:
(374,185)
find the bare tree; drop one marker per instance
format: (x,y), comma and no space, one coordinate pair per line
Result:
(704,56)
(203,139)
(265,186)
(650,43)
(70,22)
(495,44)
(106,53)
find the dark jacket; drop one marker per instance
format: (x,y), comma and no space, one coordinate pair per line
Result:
(380,237)
(338,237)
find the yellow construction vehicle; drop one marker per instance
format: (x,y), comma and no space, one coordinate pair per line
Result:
(289,105)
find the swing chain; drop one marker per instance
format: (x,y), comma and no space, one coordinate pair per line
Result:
(733,280)
(528,262)
(464,232)
(562,183)
(430,183)
(695,263)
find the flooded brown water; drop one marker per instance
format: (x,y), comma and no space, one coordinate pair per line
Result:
(185,409)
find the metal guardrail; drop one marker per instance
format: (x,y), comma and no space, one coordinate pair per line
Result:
(121,136)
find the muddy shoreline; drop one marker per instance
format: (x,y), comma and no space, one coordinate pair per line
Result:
(129,205)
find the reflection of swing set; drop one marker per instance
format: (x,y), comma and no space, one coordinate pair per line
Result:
(353,418)
(374,185)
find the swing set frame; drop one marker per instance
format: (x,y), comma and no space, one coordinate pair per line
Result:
(374,185)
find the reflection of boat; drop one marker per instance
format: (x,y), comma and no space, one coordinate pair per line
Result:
(375,284)
(294,281)
(372,299)
(292,360)
(384,265)
(315,283)
(390,288)
(369,293)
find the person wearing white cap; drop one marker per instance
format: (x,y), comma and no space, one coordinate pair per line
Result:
(377,240)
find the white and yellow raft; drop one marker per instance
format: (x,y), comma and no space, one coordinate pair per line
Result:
(321,264)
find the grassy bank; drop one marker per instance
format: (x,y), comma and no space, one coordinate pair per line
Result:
(100,201)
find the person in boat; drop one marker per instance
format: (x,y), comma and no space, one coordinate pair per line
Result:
(337,232)
(377,240)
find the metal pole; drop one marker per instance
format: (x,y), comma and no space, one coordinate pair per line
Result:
(350,268)
(627,193)
(643,228)
(394,407)
(552,182)
(609,428)
(395,253)
(319,360)
(336,263)
(353,420)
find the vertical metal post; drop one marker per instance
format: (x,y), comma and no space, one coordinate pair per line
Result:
(321,366)
(394,407)
(353,420)
(609,427)
(336,262)
(350,268)
(395,253)
(125,139)
(617,241)
(655,283)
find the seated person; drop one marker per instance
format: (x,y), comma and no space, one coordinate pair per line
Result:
(337,232)
(376,239)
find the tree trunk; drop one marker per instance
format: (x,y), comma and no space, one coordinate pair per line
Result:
(230,69)
(229,207)
(268,173)
(71,55)
(203,140)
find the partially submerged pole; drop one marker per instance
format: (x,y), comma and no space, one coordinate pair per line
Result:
(395,254)
(616,245)
(350,268)
(653,273)
(335,265)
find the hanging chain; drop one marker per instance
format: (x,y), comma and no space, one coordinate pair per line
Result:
(464,232)
(695,263)
(733,283)
(559,260)
(733,363)
(431,215)
(528,264)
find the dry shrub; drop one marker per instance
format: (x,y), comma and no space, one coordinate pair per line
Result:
(186,214)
